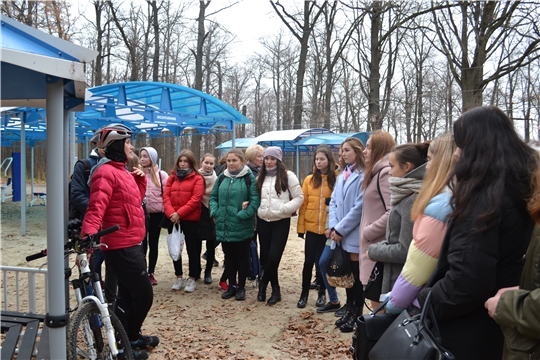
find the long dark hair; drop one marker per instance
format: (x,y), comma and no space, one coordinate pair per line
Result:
(282,180)
(494,163)
(316,179)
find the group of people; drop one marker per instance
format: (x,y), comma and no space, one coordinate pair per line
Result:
(453,216)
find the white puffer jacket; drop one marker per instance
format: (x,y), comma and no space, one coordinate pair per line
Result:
(275,207)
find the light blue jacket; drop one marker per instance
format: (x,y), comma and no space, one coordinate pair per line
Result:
(346,210)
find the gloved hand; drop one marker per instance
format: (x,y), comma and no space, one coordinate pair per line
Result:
(301,235)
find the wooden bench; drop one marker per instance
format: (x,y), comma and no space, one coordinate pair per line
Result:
(21,333)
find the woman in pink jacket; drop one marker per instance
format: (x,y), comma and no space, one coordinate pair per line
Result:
(156,180)
(376,198)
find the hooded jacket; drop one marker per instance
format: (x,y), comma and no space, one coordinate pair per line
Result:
(518,312)
(116,199)
(233,224)
(184,196)
(154,193)
(79,189)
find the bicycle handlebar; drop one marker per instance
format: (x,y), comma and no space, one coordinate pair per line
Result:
(70,244)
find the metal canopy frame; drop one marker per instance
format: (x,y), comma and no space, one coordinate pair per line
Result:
(42,71)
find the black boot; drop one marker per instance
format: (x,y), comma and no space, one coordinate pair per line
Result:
(349,325)
(345,317)
(303,299)
(275,297)
(321,300)
(262,291)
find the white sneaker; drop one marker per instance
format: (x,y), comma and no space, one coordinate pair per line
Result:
(190,285)
(178,284)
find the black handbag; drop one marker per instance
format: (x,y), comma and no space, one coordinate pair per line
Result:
(338,268)
(413,338)
(368,330)
(165,222)
(374,286)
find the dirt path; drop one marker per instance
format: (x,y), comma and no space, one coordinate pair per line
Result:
(201,325)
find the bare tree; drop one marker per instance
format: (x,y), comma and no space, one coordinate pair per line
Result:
(472,32)
(301,30)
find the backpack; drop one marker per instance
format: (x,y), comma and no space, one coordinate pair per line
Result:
(255,269)
(74,213)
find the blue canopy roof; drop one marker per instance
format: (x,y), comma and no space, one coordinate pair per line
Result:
(148,107)
(241,143)
(288,139)
(153,107)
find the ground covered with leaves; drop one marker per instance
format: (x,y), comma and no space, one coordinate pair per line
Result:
(201,325)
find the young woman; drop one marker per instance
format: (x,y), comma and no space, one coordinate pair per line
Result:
(376,198)
(233,205)
(407,168)
(429,212)
(312,218)
(345,212)
(182,201)
(281,196)
(116,195)
(488,232)
(156,180)
(207,228)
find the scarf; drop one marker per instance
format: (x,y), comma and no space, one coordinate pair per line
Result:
(182,173)
(206,174)
(349,168)
(234,174)
(403,187)
(272,171)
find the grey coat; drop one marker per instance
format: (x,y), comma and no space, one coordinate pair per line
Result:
(393,250)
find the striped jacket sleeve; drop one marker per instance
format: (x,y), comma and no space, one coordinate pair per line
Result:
(428,234)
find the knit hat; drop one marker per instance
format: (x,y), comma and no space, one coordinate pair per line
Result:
(152,153)
(274,151)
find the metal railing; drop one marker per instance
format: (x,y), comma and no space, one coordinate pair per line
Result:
(15,273)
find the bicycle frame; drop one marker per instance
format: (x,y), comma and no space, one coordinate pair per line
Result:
(85,275)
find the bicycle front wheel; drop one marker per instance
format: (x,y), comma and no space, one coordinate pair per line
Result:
(87,337)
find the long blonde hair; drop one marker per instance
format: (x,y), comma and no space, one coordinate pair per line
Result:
(438,173)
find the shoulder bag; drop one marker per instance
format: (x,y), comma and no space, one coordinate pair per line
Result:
(368,330)
(413,338)
(338,268)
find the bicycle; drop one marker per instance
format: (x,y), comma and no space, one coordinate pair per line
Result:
(93,332)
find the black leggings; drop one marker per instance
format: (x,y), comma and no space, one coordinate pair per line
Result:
(355,295)
(313,247)
(273,238)
(237,261)
(135,294)
(193,247)
(151,240)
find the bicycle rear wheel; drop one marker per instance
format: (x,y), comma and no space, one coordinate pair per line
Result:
(87,337)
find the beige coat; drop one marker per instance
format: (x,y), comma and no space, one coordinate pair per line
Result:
(374,215)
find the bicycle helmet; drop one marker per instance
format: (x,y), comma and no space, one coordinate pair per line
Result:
(109,133)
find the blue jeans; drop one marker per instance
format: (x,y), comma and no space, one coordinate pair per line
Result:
(332,293)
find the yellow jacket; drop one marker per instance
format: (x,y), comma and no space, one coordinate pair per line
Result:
(312,214)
